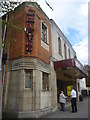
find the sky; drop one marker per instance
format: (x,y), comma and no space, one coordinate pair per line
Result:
(72,18)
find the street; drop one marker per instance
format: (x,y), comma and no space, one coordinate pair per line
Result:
(81,113)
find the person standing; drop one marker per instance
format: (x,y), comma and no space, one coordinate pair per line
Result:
(73,100)
(62,100)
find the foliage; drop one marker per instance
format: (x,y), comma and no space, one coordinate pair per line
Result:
(6,8)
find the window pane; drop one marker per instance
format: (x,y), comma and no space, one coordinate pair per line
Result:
(45,78)
(59,45)
(69,53)
(65,51)
(44,33)
(28,79)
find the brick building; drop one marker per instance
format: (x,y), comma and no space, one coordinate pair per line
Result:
(30,79)
(33,70)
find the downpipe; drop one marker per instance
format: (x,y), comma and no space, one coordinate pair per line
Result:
(3,77)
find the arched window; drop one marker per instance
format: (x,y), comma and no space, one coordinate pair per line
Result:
(69,53)
(65,53)
(59,46)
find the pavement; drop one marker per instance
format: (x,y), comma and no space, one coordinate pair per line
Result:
(82,112)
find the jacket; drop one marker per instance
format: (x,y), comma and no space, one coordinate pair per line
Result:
(62,98)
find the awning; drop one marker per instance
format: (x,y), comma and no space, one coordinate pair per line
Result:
(70,69)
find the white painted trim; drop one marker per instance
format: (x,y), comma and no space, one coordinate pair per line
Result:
(44,45)
(47,32)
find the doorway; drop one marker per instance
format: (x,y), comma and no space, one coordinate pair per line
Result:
(61,86)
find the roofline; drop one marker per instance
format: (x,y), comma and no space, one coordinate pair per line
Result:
(27,3)
(37,6)
(62,34)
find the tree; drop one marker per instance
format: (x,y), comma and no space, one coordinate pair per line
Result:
(7,6)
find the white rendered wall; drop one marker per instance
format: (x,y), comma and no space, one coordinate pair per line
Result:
(82,84)
(56,32)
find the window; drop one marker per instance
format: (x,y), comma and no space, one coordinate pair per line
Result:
(44,33)
(28,78)
(45,79)
(59,45)
(69,53)
(65,51)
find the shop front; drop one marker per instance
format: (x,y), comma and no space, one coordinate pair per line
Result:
(67,73)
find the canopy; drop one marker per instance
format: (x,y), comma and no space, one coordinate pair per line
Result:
(70,69)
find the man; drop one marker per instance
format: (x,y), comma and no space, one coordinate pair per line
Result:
(62,100)
(73,100)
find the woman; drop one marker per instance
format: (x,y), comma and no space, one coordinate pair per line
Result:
(62,100)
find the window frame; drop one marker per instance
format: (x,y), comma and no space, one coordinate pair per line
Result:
(65,51)
(31,80)
(45,82)
(59,46)
(69,53)
(47,40)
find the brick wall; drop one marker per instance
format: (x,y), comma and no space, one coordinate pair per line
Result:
(15,36)
(17,48)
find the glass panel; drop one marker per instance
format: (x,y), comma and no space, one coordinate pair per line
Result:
(65,51)
(28,79)
(59,45)
(45,78)
(44,33)
(69,53)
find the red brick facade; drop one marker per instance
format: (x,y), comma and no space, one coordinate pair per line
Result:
(17,48)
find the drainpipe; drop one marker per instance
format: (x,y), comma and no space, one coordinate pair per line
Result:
(0,71)
(3,77)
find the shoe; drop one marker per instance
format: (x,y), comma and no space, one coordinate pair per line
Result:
(76,111)
(72,111)
(62,110)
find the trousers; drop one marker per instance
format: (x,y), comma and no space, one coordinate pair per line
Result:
(74,104)
(62,106)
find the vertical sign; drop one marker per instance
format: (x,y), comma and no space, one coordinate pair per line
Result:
(29,30)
